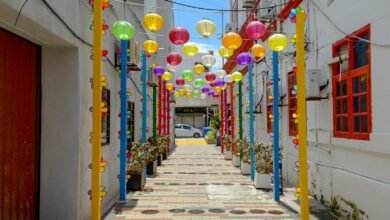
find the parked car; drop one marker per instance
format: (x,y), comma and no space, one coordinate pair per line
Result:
(205,130)
(182,130)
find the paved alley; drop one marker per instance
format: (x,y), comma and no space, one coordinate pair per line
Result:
(197,183)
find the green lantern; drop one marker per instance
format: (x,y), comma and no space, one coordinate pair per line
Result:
(123,30)
(198,83)
(196,93)
(187,75)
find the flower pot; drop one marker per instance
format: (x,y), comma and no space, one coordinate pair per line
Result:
(165,155)
(136,182)
(218,143)
(151,168)
(236,161)
(245,168)
(159,160)
(262,181)
(228,155)
(210,140)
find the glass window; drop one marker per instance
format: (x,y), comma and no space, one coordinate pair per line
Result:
(361,51)
(187,127)
(178,126)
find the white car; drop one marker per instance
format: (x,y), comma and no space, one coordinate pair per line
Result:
(182,130)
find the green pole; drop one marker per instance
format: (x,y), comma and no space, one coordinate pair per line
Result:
(154,112)
(240,108)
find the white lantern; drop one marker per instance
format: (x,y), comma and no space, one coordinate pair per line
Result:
(188,88)
(220,74)
(208,60)
(171,68)
(228,79)
(203,96)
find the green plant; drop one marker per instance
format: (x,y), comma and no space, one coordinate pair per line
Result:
(228,142)
(216,122)
(237,146)
(210,135)
(352,211)
(137,161)
(245,151)
(162,143)
(263,158)
(151,150)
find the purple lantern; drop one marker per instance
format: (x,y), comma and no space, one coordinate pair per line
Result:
(158,70)
(210,93)
(205,89)
(244,59)
(220,82)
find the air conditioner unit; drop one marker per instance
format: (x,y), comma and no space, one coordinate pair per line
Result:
(134,60)
(313,84)
(248,3)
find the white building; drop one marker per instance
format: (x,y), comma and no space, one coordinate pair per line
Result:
(348,151)
(49,121)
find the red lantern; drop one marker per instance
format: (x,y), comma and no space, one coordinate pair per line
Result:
(210,77)
(295,141)
(213,84)
(179,35)
(174,58)
(180,81)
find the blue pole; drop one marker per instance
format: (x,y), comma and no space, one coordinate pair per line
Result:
(144,97)
(251,126)
(123,118)
(275,60)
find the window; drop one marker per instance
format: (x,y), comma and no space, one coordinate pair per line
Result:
(186,127)
(270,109)
(130,123)
(178,126)
(234,14)
(292,104)
(352,87)
(106,117)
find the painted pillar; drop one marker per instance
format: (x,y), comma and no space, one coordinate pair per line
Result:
(160,105)
(163,106)
(275,60)
(154,112)
(96,114)
(221,129)
(226,112)
(232,117)
(168,117)
(251,121)
(302,129)
(123,123)
(240,109)
(144,97)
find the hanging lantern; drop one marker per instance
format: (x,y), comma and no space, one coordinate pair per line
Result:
(196,93)
(210,93)
(158,70)
(203,96)
(213,84)
(187,75)
(210,77)
(190,49)
(150,46)
(208,60)
(166,76)
(199,69)
(179,35)
(171,68)
(231,40)
(216,95)
(218,89)
(225,52)
(224,87)
(258,50)
(206,28)
(220,73)
(255,29)
(205,89)
(228,79)
(220,82)
(188,88)
(180,81)
(177,94)
(174,58)
(237,76)
(244,59)
(182,91)
(199,83)
(188,95)
(277,42)
(169,86)
(123,30)
(153,22)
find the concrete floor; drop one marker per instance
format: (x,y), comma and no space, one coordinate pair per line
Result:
(197,183)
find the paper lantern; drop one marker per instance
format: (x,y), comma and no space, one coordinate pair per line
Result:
(255,29)
(199,69)
(174,58)
(218,89)
(203,96)
(208,60)
(220,82)
(188,88)
(206,28)
(205,89)
(258,50)
(179,35)
(190,49)
(210,77)
(169,86)
(213,84)
(177,94)
(244,59)
(182,91)
(150,46)
(166,76)
(188,95)
(158,70)
(216,95)
(220,73)
(199,83)
(225,52)
(210,93)
(187,75)
(171,68)
(236,76)
(277,42)
(153,22)
(228,79)
(180,81)
(224,87)
(231,40)
(196,93)
(123,30)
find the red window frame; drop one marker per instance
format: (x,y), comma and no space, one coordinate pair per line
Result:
(344,95)
(292,104)
(270,108)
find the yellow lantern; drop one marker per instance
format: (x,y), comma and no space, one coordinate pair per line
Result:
(258,50)
(177,94)
(206,28)
(190,49)
(182,91)
(189,95)
(236,76)
(169,86)
(224,87)
(150,46)
(166,76)
(225,52)
(231,40)
(218,89)
(153,22)
(277,42)
(199,69)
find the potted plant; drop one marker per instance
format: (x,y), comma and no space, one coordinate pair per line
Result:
(136,167)
(264,164)
(228,147)
(210,137)
(162,142)
(245,157)
(237,153)
(216,125)
(150,156)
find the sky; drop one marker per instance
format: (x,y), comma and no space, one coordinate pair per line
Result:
(188,17)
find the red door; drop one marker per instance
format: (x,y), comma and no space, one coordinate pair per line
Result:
(19,131)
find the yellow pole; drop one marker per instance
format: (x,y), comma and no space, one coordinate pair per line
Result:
(302,129)
(97,99)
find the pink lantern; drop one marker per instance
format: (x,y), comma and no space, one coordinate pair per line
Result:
(180,81)
(174,58)
(210,77)
(179,35)
(213,85)
(255,30)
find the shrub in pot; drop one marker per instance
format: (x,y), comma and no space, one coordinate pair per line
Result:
(245,157)
(150,156)
(210,137)
(228,147)
(237,153)
(136,167)
(162,142)
(263,165)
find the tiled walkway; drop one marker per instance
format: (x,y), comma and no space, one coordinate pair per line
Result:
(197,183)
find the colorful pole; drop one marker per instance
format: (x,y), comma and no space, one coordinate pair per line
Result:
(144,97)
(240,109)
(154,112)
(168,117)
(123,118)
(251,123)
(221,113)
(232,117)
(225,118)
(276,124)
(302,129)
(96,114)
(164,106)
(160,105)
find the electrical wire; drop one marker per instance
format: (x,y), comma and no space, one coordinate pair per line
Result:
(19,13)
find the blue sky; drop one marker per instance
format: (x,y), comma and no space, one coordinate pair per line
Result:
(188,17)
